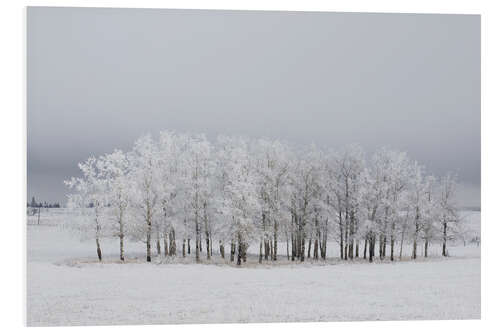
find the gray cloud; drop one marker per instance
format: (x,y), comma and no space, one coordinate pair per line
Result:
(99,78)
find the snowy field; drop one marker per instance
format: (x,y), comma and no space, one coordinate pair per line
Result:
(66,286)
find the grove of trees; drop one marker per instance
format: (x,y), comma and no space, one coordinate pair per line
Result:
(180,194)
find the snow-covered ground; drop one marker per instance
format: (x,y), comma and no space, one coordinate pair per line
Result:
(65,286)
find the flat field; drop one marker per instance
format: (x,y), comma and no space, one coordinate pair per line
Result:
(67,286)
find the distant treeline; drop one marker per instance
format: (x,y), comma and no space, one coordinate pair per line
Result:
(472,208)
(35,204)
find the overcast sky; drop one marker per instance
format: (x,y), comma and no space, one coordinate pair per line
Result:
(99,78)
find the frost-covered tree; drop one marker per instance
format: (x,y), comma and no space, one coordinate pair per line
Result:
(114,171)
(392,169)
(448,212)
(272,164)
(398,179)
(240,191)
(197,161)
(306,195)
(172,178)
(349,164)
(418,205)
(240,195)
(145,177)
(371,198)
(90,198)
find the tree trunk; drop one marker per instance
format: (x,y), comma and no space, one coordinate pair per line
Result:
(184,247)
(207,233)
(148,244)
(414,253)
(148,234)
(211,245)
(287,250)
(351,237)
(384,247)
(244,255)
(271,249)
(122,257)
(197,250)
(392,247)
(165,243)
(240,249)
(351,249)
(371,250)
(173,243)
(346,241)
(341,236)
(302,247)
(323,250)
(158,245)
(189,245)
(197,241)
(233,249)
(221,249)
(208,246)
(302,239)
(296,251)
(401,245)
(426,245)
(380,245)
(309,248)
(444,239)
(260,252)
(315,252)
(364,250)
(99,254)
(275,251)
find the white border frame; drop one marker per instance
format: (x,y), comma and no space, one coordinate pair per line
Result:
(13,152)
